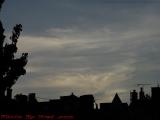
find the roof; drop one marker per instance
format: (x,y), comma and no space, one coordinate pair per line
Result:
(116,99)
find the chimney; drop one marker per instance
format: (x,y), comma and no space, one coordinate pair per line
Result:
(133,96)
(32,98)
(141,94)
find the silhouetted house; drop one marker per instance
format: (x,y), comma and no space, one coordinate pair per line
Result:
(140,108)
(22,99)
(21,104)
(156,102)
(70,103)
(32,103)
(44,107)
(156,95)
(87,103)
(115,110)
(56,106)
(143,98)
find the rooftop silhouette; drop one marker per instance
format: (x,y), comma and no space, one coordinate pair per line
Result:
(116,99)
(85,107)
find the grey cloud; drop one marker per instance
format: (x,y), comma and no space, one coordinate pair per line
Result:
(62,14)
(86,42)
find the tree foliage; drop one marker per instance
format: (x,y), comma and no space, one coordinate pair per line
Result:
(11,68)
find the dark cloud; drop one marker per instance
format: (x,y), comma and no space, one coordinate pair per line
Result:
(67,14)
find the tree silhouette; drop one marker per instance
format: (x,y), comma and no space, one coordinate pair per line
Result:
(1,1)
(11,68)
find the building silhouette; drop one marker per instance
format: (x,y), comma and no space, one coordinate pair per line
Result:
(114,110)
(141,107)
(156,95)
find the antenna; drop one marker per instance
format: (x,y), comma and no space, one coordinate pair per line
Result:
(43,98)
(142,85)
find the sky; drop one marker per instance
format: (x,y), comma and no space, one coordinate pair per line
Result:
(98,47)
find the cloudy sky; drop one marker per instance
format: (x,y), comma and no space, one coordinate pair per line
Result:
(97,47)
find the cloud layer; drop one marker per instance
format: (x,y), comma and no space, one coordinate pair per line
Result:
(86,47)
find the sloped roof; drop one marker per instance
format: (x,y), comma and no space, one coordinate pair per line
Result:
(116,99)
